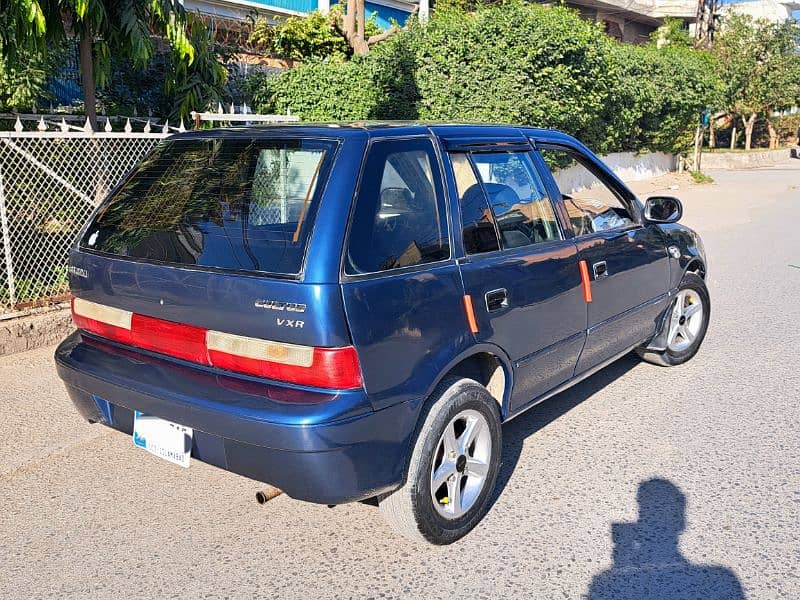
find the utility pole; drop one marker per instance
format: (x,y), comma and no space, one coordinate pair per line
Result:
(705,23)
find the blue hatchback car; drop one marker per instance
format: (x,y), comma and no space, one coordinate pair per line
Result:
(350,312)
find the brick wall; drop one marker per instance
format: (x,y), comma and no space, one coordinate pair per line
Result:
(34,330)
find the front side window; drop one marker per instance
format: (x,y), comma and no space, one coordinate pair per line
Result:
(592,205)
(522,209)
(400,217)
(238,204)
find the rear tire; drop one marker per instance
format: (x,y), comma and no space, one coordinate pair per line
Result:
(686,324)
(453,467)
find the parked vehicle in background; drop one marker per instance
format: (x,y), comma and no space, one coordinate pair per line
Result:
(351,312)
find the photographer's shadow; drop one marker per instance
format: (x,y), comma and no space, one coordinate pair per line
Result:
(647,560)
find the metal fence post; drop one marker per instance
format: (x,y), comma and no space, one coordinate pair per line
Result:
(12,292)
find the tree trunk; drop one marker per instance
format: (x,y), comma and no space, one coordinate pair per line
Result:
(733,136)
(773,134)
(360,46)
(87,73)
(698,147)
(353,28)
(749,123)
(712,135)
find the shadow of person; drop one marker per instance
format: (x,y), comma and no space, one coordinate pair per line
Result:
(647,560)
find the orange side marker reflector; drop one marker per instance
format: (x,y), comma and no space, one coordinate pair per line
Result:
(473,324)
(587,284)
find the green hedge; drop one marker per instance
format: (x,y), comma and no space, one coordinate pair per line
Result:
(509,63)
(658,96)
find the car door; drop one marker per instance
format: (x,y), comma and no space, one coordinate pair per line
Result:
(400,284)
(520,274)
(627,261)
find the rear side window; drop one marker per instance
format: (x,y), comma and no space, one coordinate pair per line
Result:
(238,204)
(399,219)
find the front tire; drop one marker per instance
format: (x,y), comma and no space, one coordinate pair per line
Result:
(686,324)
(453,467)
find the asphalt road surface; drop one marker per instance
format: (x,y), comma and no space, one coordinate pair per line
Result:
(687,476)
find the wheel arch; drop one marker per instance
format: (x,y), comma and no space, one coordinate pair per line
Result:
(467,365)
(486,364)
(697,266)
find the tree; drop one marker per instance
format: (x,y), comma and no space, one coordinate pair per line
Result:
(760,67)
(310,36)
(104,28)
(353,27)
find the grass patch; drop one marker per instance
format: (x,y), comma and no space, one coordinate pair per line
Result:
(700,177)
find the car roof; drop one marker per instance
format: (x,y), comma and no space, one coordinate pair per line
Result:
(460,131)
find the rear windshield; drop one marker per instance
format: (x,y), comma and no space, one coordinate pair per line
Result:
(238,204)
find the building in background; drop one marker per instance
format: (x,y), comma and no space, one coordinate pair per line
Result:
(233,11)
(626,20)
(634,20)
(775,11)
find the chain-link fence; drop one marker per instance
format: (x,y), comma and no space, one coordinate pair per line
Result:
(49,184)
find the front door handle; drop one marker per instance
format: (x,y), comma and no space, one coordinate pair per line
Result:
(600,269)
(496,299)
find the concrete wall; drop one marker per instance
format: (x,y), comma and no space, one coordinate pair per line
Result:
(743,160)
(628,166)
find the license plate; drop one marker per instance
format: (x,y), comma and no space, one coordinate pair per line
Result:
(167,440)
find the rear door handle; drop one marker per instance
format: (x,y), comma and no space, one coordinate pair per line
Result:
(496,299)
(600,269)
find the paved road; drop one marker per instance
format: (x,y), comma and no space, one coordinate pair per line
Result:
(711,448)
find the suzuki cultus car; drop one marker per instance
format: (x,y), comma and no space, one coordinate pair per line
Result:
(351,312)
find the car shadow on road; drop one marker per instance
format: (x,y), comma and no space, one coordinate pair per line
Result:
(647,560)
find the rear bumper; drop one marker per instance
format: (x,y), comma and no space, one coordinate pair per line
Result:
(325,447)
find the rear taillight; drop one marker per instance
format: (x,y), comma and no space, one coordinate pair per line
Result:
(333,368)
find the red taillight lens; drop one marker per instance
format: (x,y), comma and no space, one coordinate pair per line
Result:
(333,368)
(181,341)
(94,318)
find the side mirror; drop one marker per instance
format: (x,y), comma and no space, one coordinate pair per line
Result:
(662,209)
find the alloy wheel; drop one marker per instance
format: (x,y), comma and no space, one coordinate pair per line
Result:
(461,464)
(685,321)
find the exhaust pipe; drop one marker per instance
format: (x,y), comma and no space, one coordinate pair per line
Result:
(265,495)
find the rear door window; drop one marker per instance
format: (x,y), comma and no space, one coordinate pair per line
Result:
(400,217)
(234,204)
(522,209)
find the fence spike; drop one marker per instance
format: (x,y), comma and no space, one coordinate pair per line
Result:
(147,126)
(63,125)
(165,129)
(41,126)
(233,108)
(87,126)
(182,128)
(128,127)
(18,125)
(108,126)
(245,108)
(220,110)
